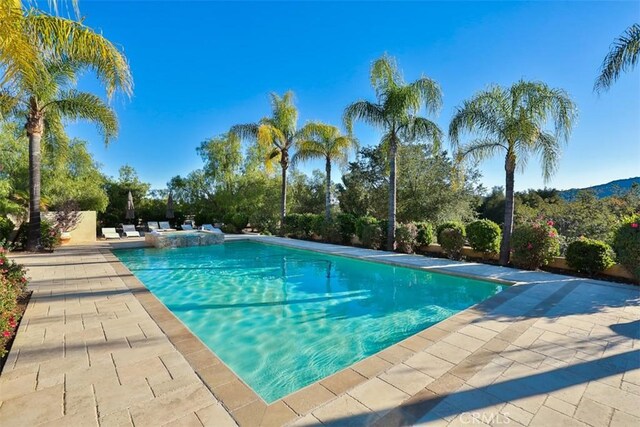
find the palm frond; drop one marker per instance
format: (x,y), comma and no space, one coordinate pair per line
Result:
(81,105)
(430,93)
(479,149)
(366,111)
(622,57)
(549,150)
(385,74)
(69,40)
(8,104)
(422,129)
(483,114)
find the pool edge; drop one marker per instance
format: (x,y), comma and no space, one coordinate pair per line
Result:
(243,404)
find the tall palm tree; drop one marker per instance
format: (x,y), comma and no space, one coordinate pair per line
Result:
(276,136)
(39,85)
(396,114)
(512,120)
(623,56)
(322,141)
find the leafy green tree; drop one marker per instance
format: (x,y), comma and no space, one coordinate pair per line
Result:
(512,120)
(74,176)
(395,112)
(42,89)
(492,206)
(307,192)
(623,56)
(117,190)
(365,185)
(222,157)
(325,142)
(277,136)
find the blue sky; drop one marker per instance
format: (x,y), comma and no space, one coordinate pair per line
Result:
(200,67)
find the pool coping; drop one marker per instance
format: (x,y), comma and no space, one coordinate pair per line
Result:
(246,406)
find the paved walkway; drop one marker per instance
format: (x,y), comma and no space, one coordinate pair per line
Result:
(553,350)
(88,353)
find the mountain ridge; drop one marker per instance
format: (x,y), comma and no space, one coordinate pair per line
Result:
(603,190)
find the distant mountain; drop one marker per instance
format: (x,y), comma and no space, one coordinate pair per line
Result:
(603,190)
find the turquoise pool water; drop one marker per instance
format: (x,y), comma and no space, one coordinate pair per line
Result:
(284,318)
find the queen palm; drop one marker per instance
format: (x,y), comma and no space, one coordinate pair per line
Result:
(623,56)
(276,136)
(326,142)
(396,114)
(39,86)
(512,121)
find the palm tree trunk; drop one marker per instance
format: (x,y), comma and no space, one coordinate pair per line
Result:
(391,229)
(283,197)
(507,228)
(327,198)
(35,127)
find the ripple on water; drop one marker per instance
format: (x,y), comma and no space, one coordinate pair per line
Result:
(283,318)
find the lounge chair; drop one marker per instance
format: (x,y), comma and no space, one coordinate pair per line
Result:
(186,227)
(209,227)
(110,233)
(129,230)
(164,226)
(153,226)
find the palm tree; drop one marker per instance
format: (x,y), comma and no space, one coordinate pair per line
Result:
(512,120)
(396,113)
(623,56)
(38,85)
(276,136)
(322,141)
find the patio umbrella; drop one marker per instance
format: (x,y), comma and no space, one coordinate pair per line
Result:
(130,212)
(170,207)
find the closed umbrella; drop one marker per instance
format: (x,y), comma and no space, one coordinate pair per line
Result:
(170,207)
(130,212)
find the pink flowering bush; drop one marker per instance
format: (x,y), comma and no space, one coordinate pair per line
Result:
(626,243)
(534,245)
(13,284)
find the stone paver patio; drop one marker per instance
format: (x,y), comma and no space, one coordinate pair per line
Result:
(95,348)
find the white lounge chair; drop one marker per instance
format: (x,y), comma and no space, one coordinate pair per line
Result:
(186,227)
(164,226)
(110,233)
(129,230)
(153,226)
(209,227)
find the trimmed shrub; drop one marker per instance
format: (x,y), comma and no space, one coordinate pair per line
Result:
(484,236)
(362,222)
(626,243)
(319,226)
(455,225)
(6,227)
(12,285)
(345,224)
(406,235)
(425,234)
(534,245)
(589,256)
(452,241)
(369,232)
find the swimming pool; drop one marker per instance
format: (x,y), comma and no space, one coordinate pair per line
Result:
(284,318)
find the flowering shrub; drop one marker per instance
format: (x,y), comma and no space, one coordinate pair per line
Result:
(484,236)
(451,224)
(425,234)
(50,235)
(534,245)
(12,285)
(626,243)
(406,235)
(589,256)
(452,241)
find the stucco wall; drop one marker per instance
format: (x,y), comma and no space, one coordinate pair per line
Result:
(85,231)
